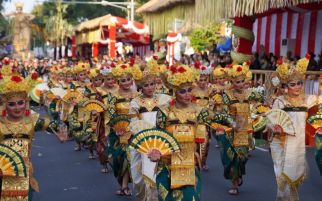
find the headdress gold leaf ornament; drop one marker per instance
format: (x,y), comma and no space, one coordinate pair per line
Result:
(17,84)
(180,74)
(235,71)
(131,68)
(288,71)
(219,72)
(94,72)
(81,67)
(201,69)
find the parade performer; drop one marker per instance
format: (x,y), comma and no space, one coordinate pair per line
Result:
(201,95)
(288,147)
(119,118)
(316,121)
(144,109)
(76,118)
(178,175)
(109,85)
(235,145)
(91,119)
(104,91)
(17,127)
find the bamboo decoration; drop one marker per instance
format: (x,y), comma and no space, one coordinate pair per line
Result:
(160,14)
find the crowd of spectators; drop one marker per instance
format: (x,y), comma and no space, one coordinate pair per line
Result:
(260,60)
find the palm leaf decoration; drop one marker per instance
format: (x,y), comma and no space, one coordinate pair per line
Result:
(11,163)
(149,139)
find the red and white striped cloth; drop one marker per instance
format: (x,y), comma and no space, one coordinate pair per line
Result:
(304,27)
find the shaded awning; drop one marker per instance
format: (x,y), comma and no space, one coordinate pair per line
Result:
(97,31)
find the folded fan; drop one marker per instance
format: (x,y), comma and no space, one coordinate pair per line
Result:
(315,120)
(59,92)
(120,122)
(281,118)
(36,91)
(139,125)
(149,139)
(73,96)
(216,125)
(11,163)
(94,105)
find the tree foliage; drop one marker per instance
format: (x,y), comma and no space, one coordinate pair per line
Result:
(204,37)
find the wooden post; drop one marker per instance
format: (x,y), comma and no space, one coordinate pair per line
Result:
(112,37)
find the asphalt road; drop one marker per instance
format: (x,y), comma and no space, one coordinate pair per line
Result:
(66,175)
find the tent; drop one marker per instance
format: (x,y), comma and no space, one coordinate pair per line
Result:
(107,30)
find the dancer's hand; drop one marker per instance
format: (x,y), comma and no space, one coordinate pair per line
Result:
(154,155)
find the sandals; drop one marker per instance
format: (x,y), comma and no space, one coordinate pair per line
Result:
(233,191)
(77,148)
(91,157)
(105,170)
(124,192)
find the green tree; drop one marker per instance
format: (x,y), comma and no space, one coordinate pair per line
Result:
(204,37)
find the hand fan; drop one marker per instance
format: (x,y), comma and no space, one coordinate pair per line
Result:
(262,109)
(120,122)
(139,125)
(72,96)
(216,125)
(281,118)
(36,91)
(149,139)
(94,105)
(11,163)
(59,92)
(315,120)
(259,123)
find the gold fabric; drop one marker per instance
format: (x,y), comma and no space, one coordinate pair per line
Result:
(17,188)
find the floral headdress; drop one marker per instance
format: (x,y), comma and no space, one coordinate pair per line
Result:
(235,71)
(153,67)
(5,68)
(68,70)
(180,74)
(131,68)
(94,72)
(81,67)
(219,72)
(201,69)
(287,71)
(15,84)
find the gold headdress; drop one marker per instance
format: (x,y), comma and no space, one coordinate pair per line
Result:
(153,67)
(16,84)
(6,68)
(123,69)
(81,67)
(236,71)
(106,69)
(219,72)
(287,71)
(94,73)
(68,70)
(201,69)
(178,75)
